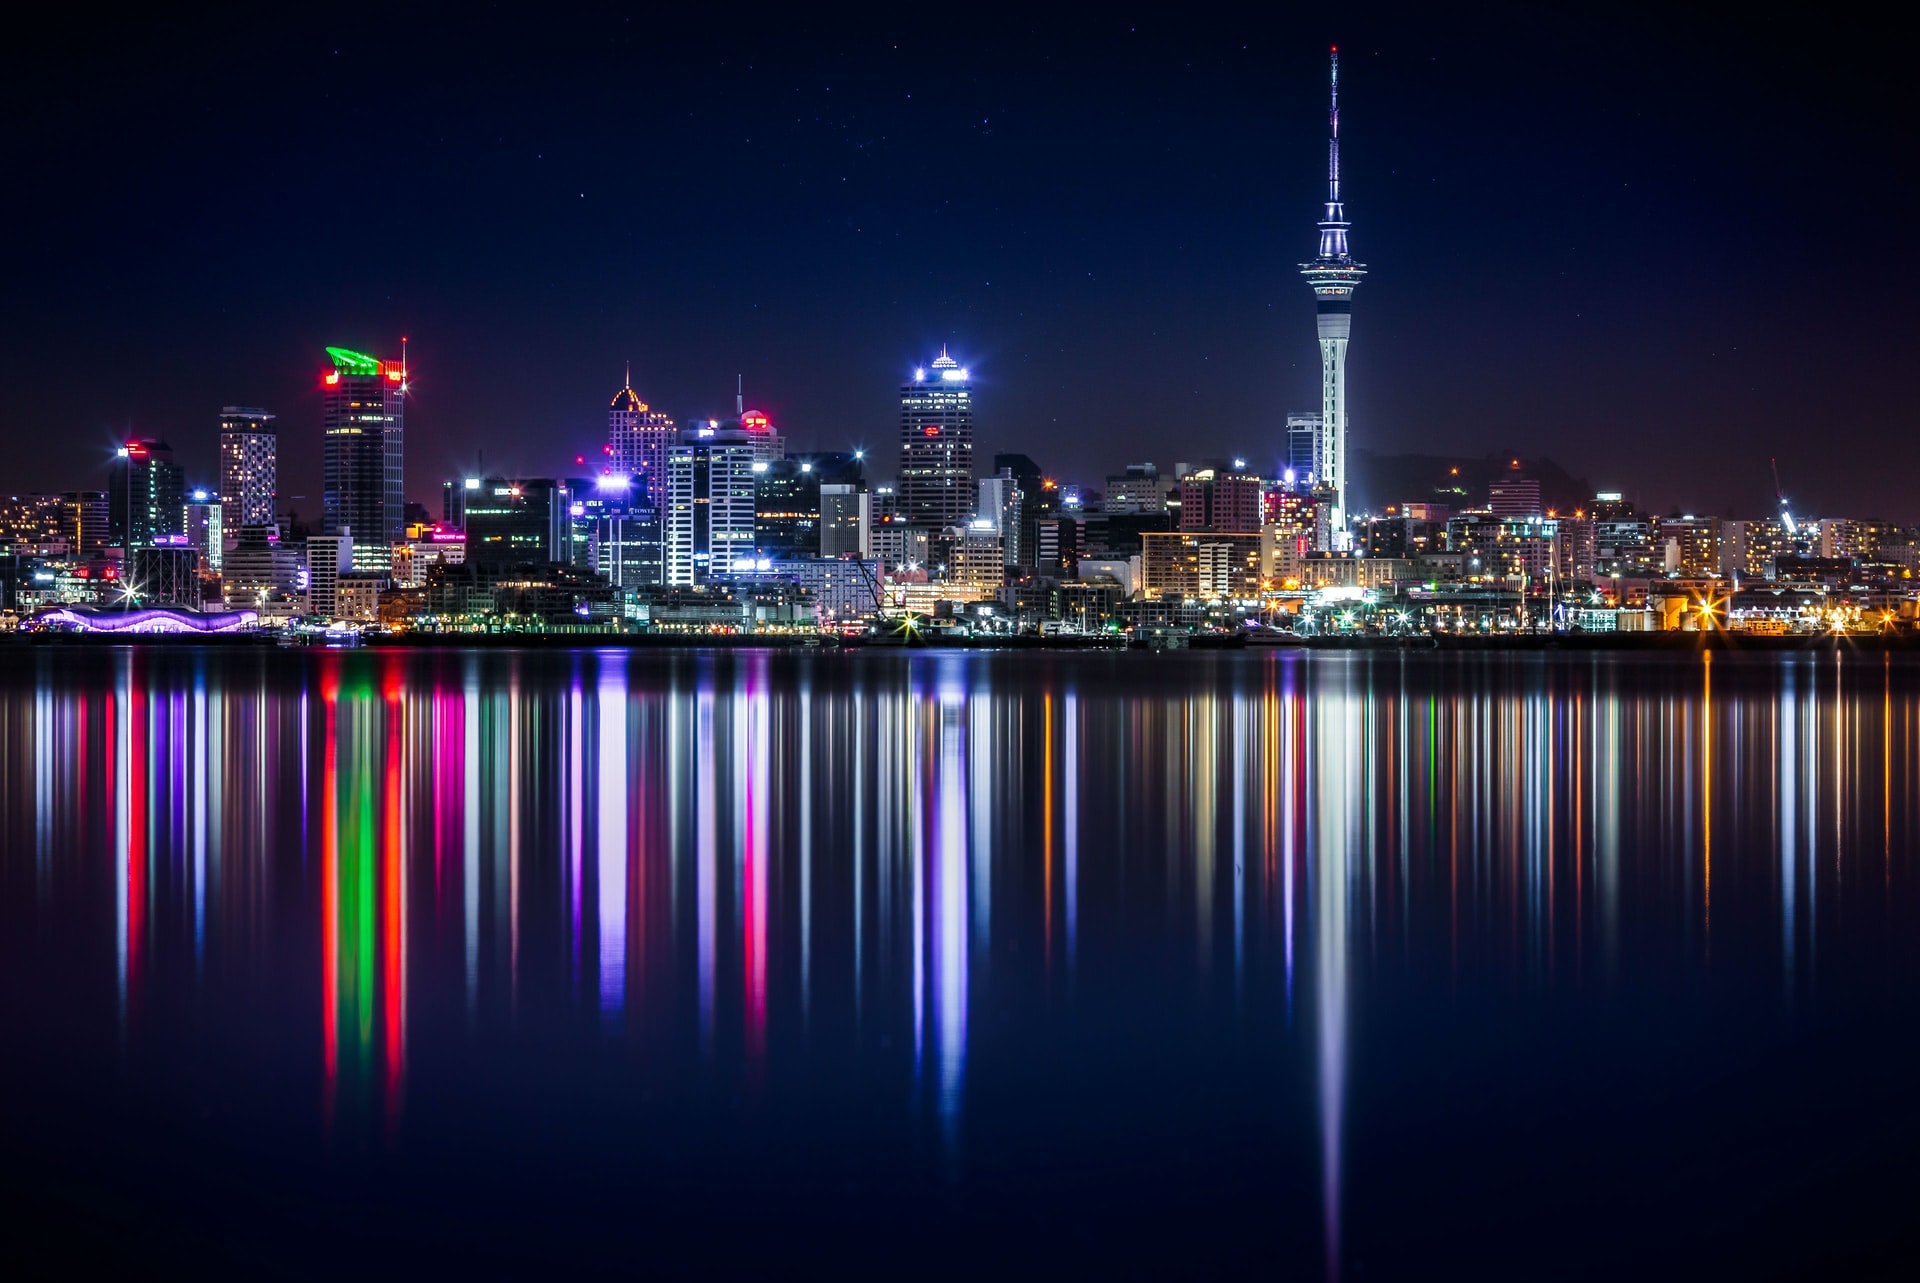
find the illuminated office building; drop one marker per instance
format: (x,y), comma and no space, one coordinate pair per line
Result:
(709,519)
(638,439)
(364,454)
(936,446)
(145,495)
(249,466)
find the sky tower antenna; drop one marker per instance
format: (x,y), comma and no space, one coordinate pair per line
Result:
(739,396)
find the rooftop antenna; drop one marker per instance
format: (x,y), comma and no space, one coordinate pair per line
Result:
(629,374)
(403,363)
(739,396)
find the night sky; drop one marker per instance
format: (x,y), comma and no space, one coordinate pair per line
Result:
(1657,254)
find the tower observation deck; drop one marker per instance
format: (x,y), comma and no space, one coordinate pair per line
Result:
(1334,276)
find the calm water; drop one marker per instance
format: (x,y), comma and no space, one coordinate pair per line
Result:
(1320,965)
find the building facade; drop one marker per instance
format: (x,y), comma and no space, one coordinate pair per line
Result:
(936,445)
(364,454)
(709,520)
(511,522)
(249,466)
(145,494)
(638,439)
(1305,448)
(1220,499)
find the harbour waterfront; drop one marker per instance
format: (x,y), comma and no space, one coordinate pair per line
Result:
(1530,964)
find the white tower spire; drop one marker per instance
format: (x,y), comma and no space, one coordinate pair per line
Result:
(1334,275)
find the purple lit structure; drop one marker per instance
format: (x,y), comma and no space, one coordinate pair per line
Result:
(144,619)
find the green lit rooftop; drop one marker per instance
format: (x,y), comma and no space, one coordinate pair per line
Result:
(353,362)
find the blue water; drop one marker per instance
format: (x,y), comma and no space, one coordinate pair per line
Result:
(1317,965)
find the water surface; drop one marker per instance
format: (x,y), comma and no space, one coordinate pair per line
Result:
(1320,965)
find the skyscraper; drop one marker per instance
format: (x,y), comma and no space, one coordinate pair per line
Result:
(1334,276)
(936,445)
(364,454)
(638,439)
(249,466)
(145,495)
(710,505)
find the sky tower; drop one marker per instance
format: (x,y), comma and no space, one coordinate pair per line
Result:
(1334,276)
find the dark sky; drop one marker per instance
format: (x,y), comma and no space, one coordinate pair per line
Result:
(1658,253)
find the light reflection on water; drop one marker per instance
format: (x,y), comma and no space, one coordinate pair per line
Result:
(829,881)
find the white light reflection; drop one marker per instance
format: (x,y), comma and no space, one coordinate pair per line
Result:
(950,918)
(706,854)
(1337,738)
(610,845)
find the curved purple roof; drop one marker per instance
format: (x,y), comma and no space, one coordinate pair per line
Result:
(144,619)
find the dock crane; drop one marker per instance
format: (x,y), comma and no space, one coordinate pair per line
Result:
(1786,518)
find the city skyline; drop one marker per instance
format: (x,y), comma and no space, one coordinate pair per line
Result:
(1672,343)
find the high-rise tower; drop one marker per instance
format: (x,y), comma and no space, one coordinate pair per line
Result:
(936,445)
(638,439)
(249,466)
(1334,276)
(364,454)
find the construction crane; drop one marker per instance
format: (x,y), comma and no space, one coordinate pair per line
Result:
(1786,518)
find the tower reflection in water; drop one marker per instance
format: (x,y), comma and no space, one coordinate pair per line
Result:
(764,862)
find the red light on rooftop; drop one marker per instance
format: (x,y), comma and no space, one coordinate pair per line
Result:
(755,421)
(393,376)
(332,377)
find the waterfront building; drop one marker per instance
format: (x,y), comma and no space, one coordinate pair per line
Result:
(329,557)
(936,445)
(1202,565)
(249,466)
(364,453)
(260,569)
(1334,275)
